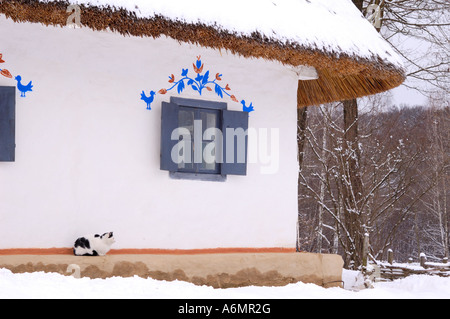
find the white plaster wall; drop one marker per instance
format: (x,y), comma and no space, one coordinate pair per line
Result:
(87,155)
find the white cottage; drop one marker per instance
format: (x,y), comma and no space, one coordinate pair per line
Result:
(171,123)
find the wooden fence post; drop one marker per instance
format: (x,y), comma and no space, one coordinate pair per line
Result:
(423,259)
(390,256)
(365,256)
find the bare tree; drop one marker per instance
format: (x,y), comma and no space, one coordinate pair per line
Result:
(435,205)
(419,30)
(363,182)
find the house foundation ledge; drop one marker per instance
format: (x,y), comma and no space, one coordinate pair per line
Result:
(216,268)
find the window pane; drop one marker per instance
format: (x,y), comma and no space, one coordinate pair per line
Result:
(186,120)
(209,119)
(186,159)
(209,157)
(203,155)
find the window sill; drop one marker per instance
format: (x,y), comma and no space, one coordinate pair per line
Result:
(198,177)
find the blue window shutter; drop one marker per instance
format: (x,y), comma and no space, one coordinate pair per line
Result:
(235,142)
(7,124)
(169,122)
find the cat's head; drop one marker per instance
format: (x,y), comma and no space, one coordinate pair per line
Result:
(108,238)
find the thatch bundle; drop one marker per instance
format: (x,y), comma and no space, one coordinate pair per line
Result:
(340,77)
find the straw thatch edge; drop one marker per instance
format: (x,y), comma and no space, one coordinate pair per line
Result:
(341,76)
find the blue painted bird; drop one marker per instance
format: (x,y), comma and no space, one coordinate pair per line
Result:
(23,88)
(149,99)
(248,109)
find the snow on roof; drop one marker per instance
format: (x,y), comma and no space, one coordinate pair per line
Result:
(332,26)
(352,60)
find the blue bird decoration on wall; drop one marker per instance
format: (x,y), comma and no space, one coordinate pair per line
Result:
(23,88)
(149,99)
(247,109)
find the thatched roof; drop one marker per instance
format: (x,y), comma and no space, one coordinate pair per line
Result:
(351,59)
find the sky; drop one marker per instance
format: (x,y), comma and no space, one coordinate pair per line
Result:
(424,54)
(410,97)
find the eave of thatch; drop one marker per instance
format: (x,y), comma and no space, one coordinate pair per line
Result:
(342,76)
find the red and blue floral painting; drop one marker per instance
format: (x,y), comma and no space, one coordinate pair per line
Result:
(198,82)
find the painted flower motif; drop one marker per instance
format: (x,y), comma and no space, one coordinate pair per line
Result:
(198,66)
(6,73)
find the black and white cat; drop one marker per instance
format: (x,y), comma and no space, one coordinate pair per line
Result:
(97,245)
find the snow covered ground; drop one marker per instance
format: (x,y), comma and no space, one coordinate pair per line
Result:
(49,285)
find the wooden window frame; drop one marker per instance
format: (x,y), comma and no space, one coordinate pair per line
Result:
(170,113)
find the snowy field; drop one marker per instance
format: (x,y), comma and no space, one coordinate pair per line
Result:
(49,286)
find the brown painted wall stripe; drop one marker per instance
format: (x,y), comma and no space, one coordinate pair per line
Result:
(151,251)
